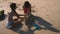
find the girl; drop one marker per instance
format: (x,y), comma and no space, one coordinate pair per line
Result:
(27,9)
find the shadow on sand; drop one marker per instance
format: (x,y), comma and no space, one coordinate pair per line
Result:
(31,21)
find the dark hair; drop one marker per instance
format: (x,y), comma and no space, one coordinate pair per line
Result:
(13,6)
(27,4)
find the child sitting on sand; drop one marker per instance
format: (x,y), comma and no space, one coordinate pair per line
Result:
(11,14)
(27,9)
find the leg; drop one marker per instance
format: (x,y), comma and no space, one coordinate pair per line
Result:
(9,25)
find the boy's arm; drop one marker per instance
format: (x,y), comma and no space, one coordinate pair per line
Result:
(19,15)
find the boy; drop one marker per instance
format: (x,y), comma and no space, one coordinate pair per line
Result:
(11,14)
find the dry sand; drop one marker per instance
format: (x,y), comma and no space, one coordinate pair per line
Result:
(48,10)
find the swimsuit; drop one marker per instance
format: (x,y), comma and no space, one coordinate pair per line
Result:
(26,9)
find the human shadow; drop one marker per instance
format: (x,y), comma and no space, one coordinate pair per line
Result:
(28,32)
(31,21)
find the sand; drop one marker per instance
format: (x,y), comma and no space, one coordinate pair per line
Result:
(47,10)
